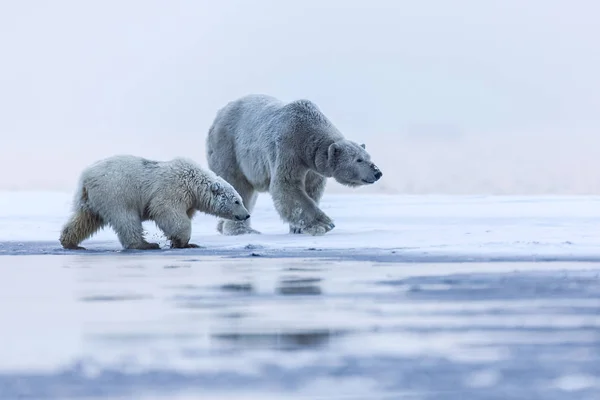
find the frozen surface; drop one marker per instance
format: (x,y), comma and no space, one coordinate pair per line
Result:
(397,228)
(408,297)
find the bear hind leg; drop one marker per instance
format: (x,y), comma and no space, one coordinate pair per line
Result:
(80,227)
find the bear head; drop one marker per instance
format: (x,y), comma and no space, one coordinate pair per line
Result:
(226,201)
(351,164)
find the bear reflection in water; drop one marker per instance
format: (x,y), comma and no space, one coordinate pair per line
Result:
(299,286)
(283,341)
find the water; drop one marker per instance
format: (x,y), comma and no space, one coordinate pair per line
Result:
(144,326)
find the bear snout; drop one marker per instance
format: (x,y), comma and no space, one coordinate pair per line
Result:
(377,172)
(242,217)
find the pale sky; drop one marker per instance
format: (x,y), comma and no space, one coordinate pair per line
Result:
(450,96)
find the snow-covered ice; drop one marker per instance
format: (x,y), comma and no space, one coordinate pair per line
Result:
(419,297)
(407,227)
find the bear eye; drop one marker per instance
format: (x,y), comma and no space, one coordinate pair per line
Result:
(359,160)
(237,202)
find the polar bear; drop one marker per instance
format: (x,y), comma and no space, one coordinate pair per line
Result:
(259,144)
(124,190)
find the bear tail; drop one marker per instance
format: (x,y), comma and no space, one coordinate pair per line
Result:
(80,200)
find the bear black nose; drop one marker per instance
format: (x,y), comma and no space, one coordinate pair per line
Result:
(247,216)
(378,173)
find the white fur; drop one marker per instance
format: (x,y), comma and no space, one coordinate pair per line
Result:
(123,191)
(260,144)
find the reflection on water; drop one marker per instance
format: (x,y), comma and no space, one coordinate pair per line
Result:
(285,341)
(232,315)
(299,286)
(493,286)
(177,266)
(299,281)
(237,287)
(110,298)
(140,338)
(433,331)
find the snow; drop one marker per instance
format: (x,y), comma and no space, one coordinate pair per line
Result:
(412,225)
(420,297)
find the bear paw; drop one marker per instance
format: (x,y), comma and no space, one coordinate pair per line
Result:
(296,230)
(232,228)
(315,231)
(240,231)
(176,245)
(143,246)
(148,246)
(320,226)
(73,247)
(318,230)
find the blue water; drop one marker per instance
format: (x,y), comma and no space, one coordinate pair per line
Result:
(352,324)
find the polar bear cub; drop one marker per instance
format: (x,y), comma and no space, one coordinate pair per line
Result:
(123,191)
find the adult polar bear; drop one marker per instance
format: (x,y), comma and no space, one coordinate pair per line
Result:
(260,144)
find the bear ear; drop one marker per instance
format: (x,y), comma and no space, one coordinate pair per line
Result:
(215,187)
(363,146)
(333,151)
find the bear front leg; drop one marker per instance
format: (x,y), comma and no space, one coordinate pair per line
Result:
(297,208)
(129,229)
(314,185)
(177,227)
(233,228)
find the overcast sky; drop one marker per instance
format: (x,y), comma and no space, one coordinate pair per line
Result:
(451,96)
